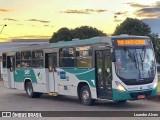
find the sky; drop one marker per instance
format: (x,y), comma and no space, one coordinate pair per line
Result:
(31,19)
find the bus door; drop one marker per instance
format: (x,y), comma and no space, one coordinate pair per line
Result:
(103,74)
(52,65)
(11,68)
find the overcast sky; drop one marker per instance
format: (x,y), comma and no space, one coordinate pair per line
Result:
(40,18)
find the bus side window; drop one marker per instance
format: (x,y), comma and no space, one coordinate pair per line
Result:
(66,57)
(9,64)
(37,59)
(18,60)
(4,61)
(84,56)
(26,59)
(51,61)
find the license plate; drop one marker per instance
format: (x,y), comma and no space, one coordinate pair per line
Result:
(141,96)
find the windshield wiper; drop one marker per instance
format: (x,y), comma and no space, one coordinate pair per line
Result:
(142,57)
(131,56)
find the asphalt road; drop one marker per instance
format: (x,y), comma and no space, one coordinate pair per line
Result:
(15,100)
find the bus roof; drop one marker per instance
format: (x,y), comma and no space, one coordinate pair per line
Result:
(89,41)
(127,36)
(79,42)
(60,44)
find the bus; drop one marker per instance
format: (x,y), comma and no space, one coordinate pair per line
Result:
(117,68)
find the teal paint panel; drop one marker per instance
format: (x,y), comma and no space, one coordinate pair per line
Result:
(120,95)
(21,74)
(89,77)
(83,74)
(125,95)
(154,92)
(76,70)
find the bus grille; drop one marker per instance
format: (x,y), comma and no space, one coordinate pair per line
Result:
(138,82)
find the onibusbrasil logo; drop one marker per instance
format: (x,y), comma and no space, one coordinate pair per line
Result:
(39,76)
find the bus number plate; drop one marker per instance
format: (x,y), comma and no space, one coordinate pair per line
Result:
(141,96)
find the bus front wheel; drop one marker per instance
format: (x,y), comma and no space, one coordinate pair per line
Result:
(30,92)
(85,96)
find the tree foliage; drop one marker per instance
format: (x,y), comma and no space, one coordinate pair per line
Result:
(83,32)
(61,34)
(132,26)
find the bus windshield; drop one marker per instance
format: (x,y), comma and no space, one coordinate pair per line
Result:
(135,63)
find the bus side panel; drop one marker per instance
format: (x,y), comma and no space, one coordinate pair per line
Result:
(6,78)
(67,83)
(41,82)
(19,85)
(37,77)
(69,78)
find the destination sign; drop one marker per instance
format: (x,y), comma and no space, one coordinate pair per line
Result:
(131,42)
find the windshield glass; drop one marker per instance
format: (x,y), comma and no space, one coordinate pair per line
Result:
(134,63)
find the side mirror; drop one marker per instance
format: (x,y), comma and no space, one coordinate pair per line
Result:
(113,56)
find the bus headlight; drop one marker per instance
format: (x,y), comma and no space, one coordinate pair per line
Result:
(120,86)
(155,85)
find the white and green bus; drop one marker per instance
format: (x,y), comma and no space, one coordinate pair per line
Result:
(117,68)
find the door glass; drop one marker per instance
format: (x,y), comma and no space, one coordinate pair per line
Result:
(52,62)
(104,76)
(108,67)
(100,68)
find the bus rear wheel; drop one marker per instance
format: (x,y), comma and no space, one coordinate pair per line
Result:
(30,92)
(85,96)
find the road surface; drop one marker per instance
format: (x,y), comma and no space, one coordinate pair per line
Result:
(15,100)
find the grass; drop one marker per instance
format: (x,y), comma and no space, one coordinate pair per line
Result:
(158,86)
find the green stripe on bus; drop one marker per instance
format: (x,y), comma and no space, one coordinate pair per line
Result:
(125,95)
(21,74)
(83,74)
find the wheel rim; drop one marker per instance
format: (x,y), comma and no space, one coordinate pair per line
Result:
(29,90)
(85,96)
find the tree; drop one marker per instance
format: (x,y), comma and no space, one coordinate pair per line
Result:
(85,32)
(63,34)
(82,32)
(132,26)
(156,45)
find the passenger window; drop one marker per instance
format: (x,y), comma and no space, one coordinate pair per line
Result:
(4,61)
(37,59)
(84,56)
(67,57)
(26,59)
(18,59)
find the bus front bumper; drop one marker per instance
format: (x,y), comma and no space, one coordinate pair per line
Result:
(132,95)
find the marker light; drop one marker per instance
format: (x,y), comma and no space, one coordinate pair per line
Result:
(155,85)
(120,86)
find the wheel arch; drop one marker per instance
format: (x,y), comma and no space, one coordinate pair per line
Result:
(80,85)
(26,81)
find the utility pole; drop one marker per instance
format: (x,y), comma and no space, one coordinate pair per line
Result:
(0,34)
(3,28)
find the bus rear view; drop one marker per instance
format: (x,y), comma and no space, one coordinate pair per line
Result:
(135,68)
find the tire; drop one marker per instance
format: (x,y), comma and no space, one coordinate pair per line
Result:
(85,96)
(29,91)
